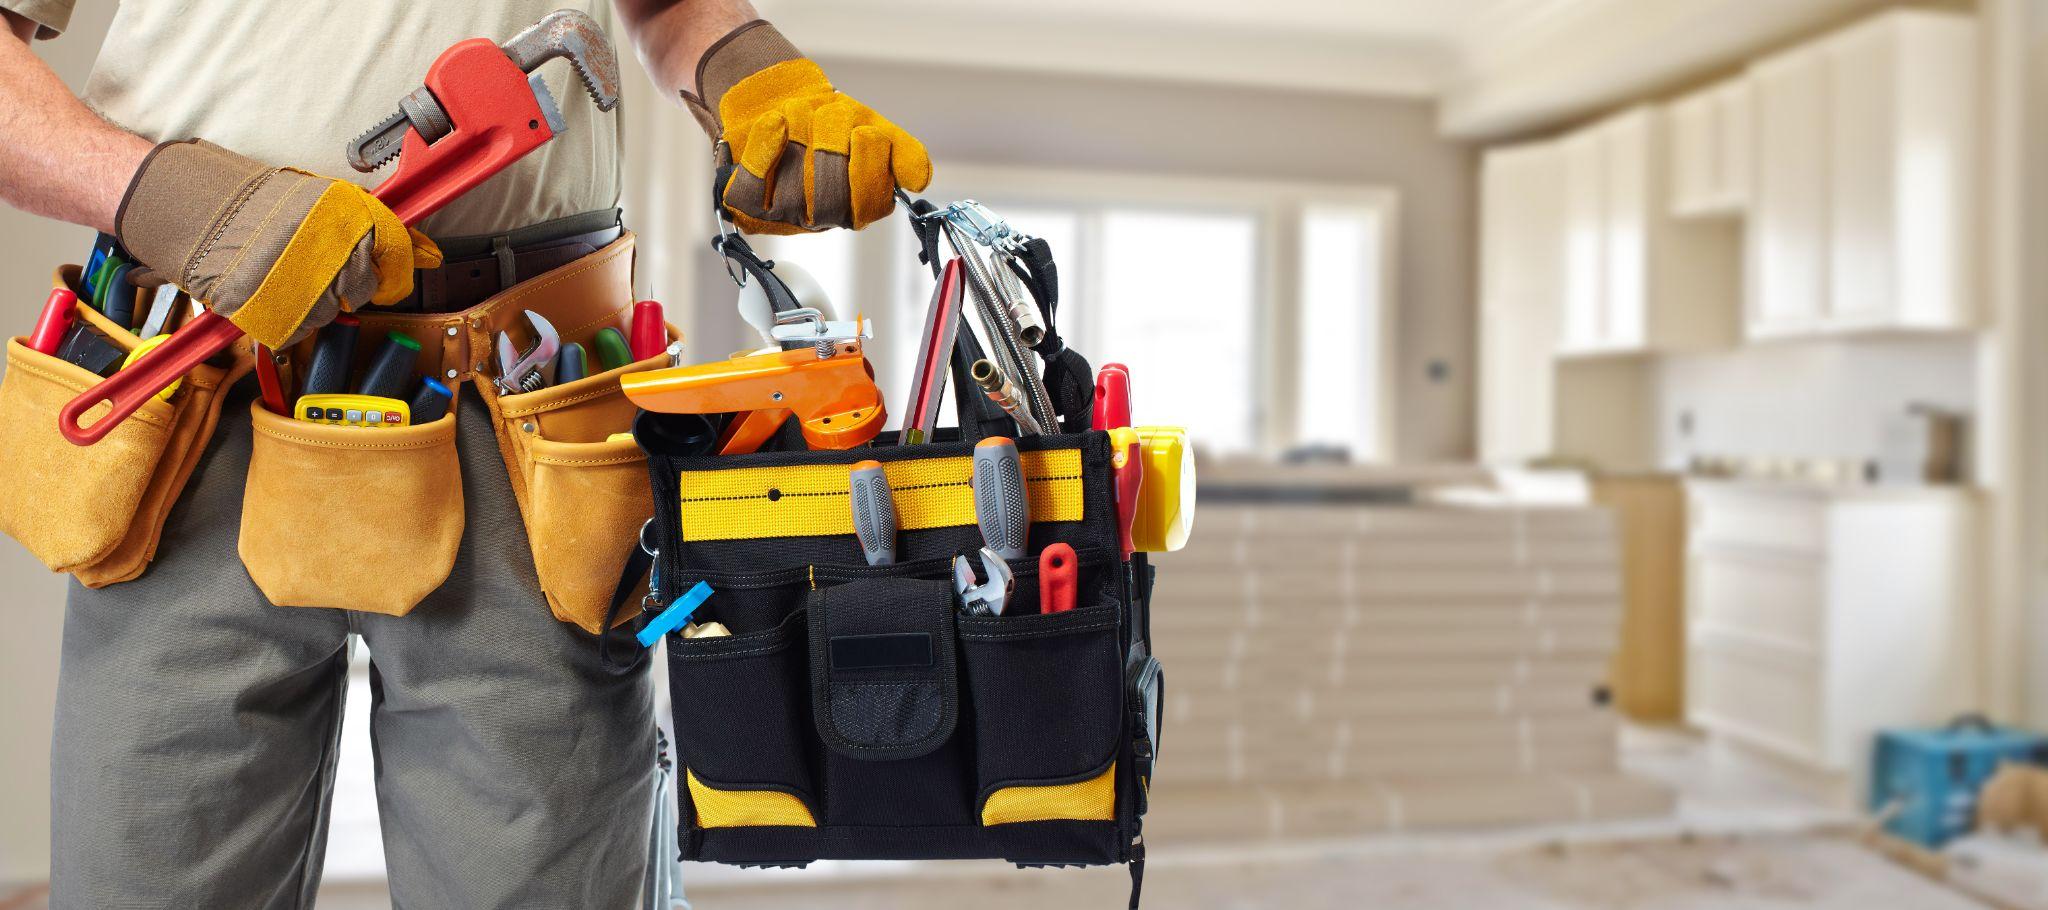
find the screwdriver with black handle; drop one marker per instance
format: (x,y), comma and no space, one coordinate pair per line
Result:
(1001,505)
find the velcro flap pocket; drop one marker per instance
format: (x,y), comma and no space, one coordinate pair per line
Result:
(883,672)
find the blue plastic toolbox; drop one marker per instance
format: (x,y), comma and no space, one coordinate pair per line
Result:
(1934,775)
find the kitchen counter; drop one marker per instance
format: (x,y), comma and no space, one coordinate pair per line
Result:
(1818,490)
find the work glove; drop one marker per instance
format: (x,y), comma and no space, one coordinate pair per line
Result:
(278,251)
(808,157)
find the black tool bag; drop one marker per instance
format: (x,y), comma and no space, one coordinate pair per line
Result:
(856,712)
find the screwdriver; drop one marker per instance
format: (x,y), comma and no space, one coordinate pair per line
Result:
(612,350)
(571,364)
(649,335)
(56,318)
(118,296)
(430,403)
(874,512)
(1057,578)
(390,370)
(1001,505)
(333,353)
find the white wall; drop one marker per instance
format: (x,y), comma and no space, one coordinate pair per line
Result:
(34,602)
(1820,398)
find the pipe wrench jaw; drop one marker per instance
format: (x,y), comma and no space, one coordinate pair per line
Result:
(433,112)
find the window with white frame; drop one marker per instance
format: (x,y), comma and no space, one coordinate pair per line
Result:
(1255,314)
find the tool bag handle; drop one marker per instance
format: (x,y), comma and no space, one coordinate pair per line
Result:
(1069,380)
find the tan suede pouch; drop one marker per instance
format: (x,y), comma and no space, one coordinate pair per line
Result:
(583,498)
(586,497)
(97,511)
(589,500)
(70,505)
(352,518)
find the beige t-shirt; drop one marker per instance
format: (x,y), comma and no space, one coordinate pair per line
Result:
(291,82)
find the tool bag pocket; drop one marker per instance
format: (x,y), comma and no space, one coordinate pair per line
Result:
(96,511)
(1047,694)
(586,495)
(761,769)
(854,712)
(350,517)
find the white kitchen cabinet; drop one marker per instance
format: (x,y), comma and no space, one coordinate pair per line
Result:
(1637,281)
(1817,616)
(1532,403)
(1585,240)
(1863,202)
(1735,120)
(1710,151)
(1522,261)
(1787,231)
(1903,148)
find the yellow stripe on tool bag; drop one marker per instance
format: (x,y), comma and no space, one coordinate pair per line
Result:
(811,500)
(746,808)
(1091,800)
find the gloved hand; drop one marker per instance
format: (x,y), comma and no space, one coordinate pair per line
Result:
(278,251)
(809,158)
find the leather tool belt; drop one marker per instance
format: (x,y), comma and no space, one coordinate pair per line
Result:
(98,511)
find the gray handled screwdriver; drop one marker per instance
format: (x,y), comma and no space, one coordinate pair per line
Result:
(1001,505)
(874,512)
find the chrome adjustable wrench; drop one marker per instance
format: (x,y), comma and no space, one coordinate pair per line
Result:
(984,599)
(480,110)
(525,372)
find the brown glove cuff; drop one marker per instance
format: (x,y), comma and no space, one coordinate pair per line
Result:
(744,51)
(177,200)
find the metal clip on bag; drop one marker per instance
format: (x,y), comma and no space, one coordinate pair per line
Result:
(97,512)
(855,712)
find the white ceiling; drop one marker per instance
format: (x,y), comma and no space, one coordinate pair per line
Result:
(1424,19)
(1497,66)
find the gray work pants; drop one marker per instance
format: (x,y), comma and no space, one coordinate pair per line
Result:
(197,724)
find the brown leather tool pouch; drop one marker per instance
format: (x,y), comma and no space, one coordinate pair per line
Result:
(393,497)
(584,496)
(97,511)
(349,517)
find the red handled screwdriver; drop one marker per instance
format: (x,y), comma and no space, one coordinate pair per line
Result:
(1058,579)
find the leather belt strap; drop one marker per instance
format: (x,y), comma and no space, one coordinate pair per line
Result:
(474,268)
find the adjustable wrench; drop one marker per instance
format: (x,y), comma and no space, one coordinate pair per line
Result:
(479,111)
(525,372)
(989,598)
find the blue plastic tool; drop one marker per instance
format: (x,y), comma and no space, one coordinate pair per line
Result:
(677,613)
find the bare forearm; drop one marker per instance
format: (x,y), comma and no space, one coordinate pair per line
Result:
(58,159)
(670,36)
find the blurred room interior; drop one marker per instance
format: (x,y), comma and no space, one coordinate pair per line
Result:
(1612,417)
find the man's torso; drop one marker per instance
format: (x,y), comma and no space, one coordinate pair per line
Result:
(291,83)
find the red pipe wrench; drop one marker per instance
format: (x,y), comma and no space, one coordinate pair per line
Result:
(481,110)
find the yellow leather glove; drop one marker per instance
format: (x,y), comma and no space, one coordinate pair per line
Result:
(809,158)
(278,251)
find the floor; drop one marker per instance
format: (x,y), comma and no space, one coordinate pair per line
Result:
(1741,840)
